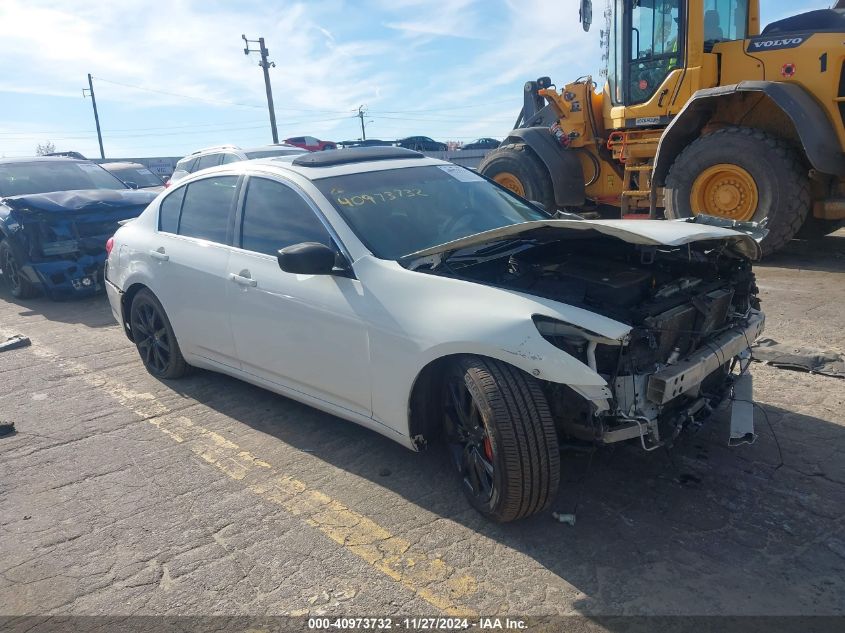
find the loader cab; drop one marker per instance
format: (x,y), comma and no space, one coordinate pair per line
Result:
(648,39)
(646,44)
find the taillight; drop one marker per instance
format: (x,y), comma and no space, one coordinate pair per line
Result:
(109,246)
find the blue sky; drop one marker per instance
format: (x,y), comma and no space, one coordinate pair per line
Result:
(171,76)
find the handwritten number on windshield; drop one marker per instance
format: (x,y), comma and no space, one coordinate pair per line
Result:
(380,197)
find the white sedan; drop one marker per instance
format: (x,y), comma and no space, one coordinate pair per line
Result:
(422,301)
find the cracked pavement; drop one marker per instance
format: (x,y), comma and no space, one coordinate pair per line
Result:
(121,494)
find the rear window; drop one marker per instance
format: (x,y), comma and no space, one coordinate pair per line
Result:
(19,179)
(141,176)
(207,208)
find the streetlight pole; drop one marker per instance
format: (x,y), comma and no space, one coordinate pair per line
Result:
(265,65)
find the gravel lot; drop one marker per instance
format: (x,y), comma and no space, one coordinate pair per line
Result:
(120,494)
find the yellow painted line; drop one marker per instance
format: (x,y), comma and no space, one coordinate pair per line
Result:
(429,577)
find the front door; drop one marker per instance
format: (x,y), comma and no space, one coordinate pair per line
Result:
(303,332)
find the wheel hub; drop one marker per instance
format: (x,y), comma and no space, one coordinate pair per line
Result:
(725,190)
(510,181)
(472,448)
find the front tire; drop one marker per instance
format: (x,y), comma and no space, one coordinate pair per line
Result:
(517,168)
(154,337)
(741,173)
(502,438)
(19,285)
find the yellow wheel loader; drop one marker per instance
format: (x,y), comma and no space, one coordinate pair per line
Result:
(702,113)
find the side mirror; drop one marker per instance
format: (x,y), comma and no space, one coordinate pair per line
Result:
(586,14)
(131,185)
(307,258)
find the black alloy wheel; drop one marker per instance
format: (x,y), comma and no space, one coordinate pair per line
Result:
(501,437)
(154,338)
(469,441)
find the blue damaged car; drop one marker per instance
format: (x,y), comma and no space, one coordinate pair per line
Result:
(56,215)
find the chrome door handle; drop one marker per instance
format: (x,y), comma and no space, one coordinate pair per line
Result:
(159,255)
(244,281)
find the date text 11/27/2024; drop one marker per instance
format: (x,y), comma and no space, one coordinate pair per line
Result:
(417,624)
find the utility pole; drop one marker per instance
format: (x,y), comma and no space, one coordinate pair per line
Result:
(265,65)
(361,113)
(90,90)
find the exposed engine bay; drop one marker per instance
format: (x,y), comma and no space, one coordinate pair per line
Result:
(693,312)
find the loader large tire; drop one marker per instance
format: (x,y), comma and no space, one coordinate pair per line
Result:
(502,437)
(517,167)
(741,173)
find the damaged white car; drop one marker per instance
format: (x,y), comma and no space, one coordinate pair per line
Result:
(422,301)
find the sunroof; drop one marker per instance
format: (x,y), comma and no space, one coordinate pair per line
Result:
(353,155)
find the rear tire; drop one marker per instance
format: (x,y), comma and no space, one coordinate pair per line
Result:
(154,337)
(19,286)
(500,432)
(517,168)
(778,173)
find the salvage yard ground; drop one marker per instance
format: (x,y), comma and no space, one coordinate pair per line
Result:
(121,494)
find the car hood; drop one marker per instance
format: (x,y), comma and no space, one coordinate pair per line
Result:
(646,232)
(86,200)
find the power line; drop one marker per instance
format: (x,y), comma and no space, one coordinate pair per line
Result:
(253,105)
(435,120)
(217,101)
(475,105)
(27,136)
(144,129)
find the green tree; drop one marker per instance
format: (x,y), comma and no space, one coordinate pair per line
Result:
(48,148)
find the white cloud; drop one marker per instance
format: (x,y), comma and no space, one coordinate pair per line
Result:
(427,19)
(528,43)
(182,47)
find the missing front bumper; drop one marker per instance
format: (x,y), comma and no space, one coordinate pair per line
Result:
(686,376)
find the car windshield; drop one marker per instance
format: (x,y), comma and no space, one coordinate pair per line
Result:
(269,153)
(18,179)
(141,176)
(400,211)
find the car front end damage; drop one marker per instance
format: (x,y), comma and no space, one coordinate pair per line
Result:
(59,238)
(689,304)
(653,404)
(694,315)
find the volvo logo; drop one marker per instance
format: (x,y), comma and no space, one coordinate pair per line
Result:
(771,44)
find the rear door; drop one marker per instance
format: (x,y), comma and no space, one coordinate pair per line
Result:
(189,256)
(302,332)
